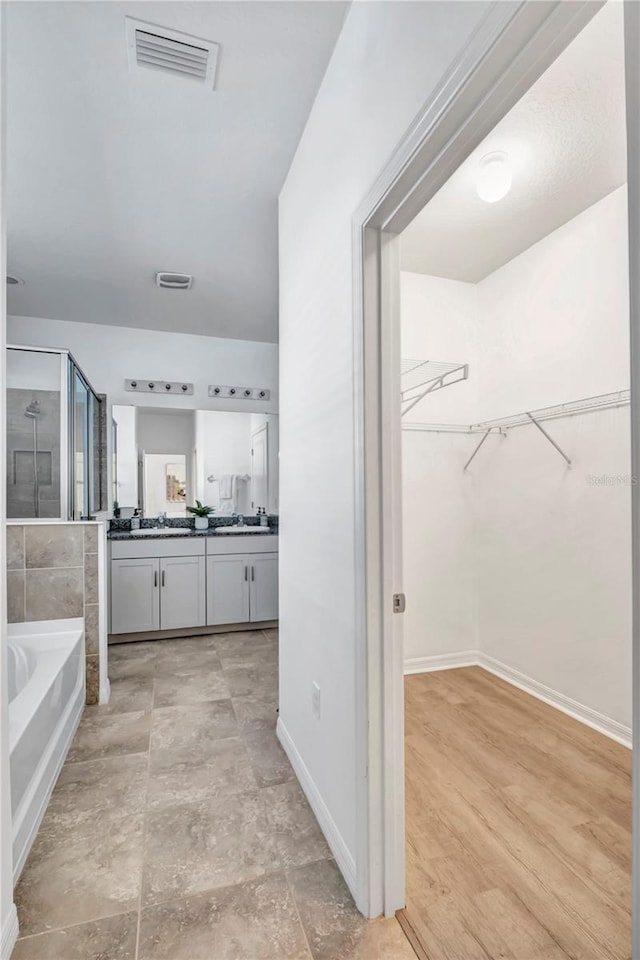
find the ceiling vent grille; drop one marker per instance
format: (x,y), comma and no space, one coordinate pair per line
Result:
(174,281)
(171,52)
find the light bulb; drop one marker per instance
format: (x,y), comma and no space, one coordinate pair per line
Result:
(494,177)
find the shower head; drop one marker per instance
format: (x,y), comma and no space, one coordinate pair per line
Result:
(32,410)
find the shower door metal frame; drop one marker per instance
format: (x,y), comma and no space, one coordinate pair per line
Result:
(89,472)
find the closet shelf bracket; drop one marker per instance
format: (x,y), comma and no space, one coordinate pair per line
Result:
(550,439)
(497,430)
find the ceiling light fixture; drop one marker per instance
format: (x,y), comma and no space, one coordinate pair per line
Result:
(494,177)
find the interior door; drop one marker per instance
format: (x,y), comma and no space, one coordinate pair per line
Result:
(135,595)
(259,468)
(182,592)
(264,587)
(228,589)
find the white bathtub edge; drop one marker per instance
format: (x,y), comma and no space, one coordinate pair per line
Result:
(45,777)
(9,933)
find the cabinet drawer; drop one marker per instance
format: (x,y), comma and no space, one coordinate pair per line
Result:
(138,549)
(244,543)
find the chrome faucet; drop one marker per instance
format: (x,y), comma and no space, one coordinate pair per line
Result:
(161,519)
(241,520)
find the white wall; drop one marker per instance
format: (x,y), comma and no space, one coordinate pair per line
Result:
(554,560)
(109,355)
(440,575)
(440,322)
(555,320)
(550,546)
(388,60)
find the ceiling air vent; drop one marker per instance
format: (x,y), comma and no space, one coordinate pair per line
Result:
(174,281)
(171,51)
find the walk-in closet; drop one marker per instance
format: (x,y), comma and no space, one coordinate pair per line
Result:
(517,529)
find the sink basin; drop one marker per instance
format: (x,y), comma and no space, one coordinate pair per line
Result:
(245,529)
(162,532)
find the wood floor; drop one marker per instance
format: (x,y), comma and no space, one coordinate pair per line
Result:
(518,825)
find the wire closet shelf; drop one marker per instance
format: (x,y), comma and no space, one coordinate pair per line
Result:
(418,378)
(500,426)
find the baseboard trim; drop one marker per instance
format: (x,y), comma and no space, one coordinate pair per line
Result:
(597,721)
(476,658)
(10,932)
(443,661)
(334,838)
(184,632)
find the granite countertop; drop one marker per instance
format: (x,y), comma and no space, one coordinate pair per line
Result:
(187,532)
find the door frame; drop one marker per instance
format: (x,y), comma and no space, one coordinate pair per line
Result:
(512,46)
(263,428)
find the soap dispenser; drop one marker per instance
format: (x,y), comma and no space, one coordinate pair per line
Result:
(264,519)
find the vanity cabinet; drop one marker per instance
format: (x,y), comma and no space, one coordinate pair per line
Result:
(192,582)
(242,588)
(157,594)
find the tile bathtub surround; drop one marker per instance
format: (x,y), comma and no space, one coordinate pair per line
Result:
(206,847)
(52,574)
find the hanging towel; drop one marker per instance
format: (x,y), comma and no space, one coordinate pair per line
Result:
(227,486)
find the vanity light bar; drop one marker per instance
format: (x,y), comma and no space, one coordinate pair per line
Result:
(239,393)
(158,386)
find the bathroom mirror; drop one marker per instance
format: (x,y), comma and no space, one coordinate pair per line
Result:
(167,459)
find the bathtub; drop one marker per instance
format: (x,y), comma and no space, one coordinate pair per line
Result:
(46,699)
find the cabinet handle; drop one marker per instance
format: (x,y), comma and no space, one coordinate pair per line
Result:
(246,573)
(253,573)
(163,578)
(155,578)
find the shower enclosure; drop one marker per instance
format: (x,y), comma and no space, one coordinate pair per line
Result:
(56,437)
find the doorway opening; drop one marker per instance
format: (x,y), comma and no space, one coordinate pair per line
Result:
(496,334)
(517,510)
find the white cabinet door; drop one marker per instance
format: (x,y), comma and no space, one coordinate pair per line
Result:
(182,592)
(135,595)
(228,589)
(264,586)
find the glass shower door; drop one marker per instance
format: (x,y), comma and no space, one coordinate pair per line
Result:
(34,435)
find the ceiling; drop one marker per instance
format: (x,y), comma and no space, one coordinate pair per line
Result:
(566,142)
(114,173)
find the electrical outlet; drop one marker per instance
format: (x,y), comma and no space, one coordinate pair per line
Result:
(315,699)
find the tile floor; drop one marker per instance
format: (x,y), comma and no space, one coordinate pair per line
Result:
(177,829)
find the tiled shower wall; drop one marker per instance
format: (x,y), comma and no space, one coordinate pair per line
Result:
(52,574)
(20,443)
